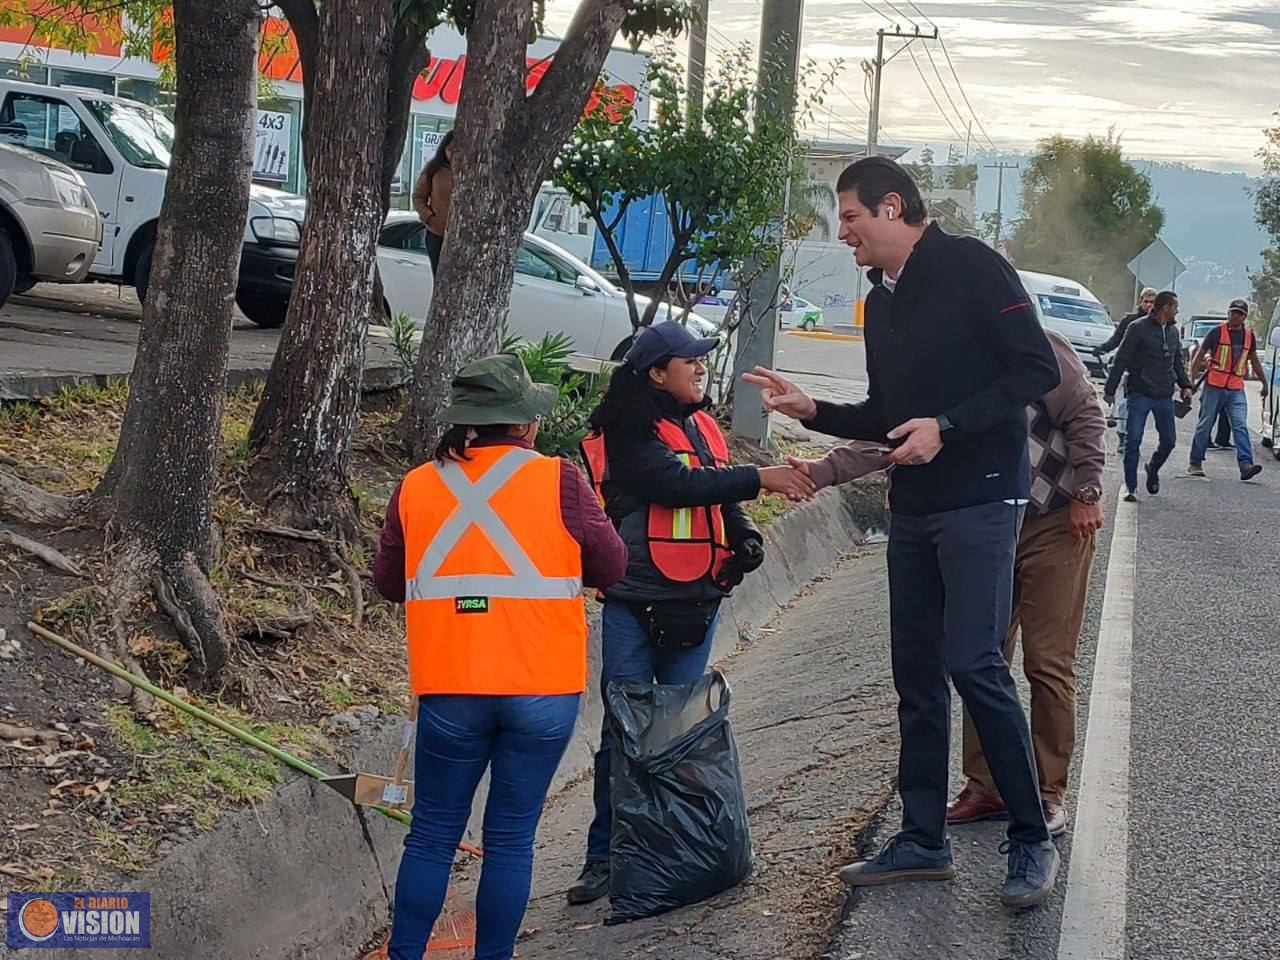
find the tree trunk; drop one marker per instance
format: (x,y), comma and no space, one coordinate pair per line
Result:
(161,482)
(507,141)
(302,429)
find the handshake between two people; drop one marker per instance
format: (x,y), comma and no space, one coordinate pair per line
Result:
(914,443)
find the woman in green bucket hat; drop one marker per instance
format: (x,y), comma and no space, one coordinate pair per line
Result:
(489,547)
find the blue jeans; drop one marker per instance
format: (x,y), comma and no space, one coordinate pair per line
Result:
(521,740)
(1236,405)
(950,603)
(1140,405)
(629,654)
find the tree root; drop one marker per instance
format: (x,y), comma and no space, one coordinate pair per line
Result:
(26,503)
(187,597)
(47,554)
(142,702)
(10,732)
(353,584)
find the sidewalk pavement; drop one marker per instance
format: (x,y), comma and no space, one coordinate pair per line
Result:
(813,714)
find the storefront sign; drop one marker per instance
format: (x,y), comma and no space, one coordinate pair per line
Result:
(274,136)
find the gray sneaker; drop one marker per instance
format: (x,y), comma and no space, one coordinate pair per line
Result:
(1033,870)
(1195,470)
(901,860)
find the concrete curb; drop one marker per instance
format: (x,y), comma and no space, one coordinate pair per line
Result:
(297,880)
(34,386)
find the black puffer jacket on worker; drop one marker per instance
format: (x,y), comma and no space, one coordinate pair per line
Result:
(644,470)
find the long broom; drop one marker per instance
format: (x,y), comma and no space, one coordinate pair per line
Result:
(459,923)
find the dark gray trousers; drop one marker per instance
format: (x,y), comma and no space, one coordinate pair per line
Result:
(951,598)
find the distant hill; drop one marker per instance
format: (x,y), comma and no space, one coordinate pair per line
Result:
(1208,224)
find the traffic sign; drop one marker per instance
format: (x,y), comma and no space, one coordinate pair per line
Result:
(1157,266)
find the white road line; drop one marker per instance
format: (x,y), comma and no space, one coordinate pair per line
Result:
(1093,918)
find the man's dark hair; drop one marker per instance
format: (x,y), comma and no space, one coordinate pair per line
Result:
(874,178)
(1163,299)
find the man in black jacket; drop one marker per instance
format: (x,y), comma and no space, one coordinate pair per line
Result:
(955,353)
(1145,302)
(1151,354)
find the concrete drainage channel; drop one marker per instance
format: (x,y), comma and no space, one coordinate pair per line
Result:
(305,877)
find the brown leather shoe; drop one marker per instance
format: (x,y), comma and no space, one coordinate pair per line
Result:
(1055,818)
(971,806)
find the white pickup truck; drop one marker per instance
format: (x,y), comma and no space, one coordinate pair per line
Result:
(122,150)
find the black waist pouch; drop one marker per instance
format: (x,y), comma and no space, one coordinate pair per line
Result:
(677,623)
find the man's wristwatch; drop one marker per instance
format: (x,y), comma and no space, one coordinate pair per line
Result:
(1089,494)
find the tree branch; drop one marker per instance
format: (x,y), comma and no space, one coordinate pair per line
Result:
(574,71)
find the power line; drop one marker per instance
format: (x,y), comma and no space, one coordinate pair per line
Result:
(936,102)
(983,130)
(955,75)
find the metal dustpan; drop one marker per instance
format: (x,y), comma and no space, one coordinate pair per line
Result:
(372,790)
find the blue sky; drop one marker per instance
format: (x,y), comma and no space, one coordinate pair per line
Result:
(1194,81)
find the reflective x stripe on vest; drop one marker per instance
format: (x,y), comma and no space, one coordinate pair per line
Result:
(524,581)
(1223,372)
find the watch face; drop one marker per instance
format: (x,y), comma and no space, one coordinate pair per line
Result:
(1089,495)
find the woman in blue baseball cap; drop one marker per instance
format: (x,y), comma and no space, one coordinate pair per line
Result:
(660,466)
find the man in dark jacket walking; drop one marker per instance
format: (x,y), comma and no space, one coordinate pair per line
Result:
(1145,302)
(1151,354)
(955,353)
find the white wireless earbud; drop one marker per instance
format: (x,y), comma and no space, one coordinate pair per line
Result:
(891,213)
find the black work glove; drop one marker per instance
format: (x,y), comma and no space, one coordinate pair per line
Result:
(747,557)
(749,554)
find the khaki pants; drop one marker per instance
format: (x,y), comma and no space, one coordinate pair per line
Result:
(1051,579)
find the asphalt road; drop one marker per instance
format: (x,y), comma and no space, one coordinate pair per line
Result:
(62,334)
(58,334)
(1186,719)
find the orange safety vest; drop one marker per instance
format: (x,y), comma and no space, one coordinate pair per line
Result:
(493,597)
(1225,370)
(685,543)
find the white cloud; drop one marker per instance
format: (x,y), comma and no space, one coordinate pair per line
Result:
(1184,79)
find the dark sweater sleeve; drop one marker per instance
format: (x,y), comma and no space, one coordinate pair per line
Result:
(1008,323)
(604,555)
(1117,336)
(388,565)
(649,470)
(1120,366)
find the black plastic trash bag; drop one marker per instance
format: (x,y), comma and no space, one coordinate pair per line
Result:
(680,830)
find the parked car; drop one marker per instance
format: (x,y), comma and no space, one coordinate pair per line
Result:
(554,292)
(1195,329)
(49,224)
(794,311)
(121,149)
(1071,309)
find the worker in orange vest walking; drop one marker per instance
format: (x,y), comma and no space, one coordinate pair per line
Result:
(661,467)
(489,546)
(1230,349)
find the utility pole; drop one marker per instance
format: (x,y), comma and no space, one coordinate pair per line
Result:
(1001,167)
(698,57)
(877,68)
(778,76)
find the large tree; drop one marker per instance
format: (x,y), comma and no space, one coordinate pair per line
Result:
(359,60)
(1087,213)
(1266,281)
(157,494)
(508,139)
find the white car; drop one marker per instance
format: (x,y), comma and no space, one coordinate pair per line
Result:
(1072,310)
(794,312)
(554,292)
